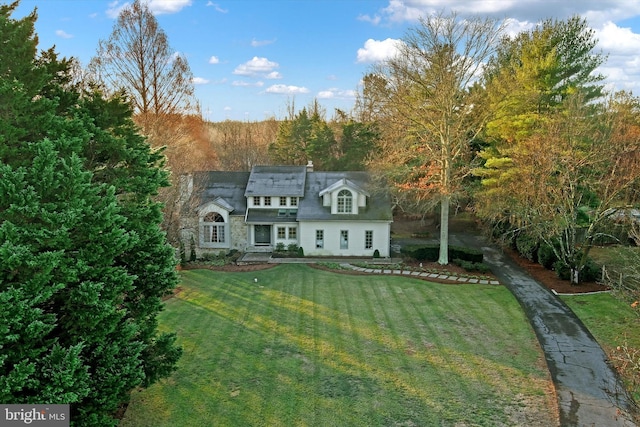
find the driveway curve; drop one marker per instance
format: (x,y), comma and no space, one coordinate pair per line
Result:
(590,393)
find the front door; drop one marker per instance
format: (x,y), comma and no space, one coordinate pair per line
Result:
(263,234)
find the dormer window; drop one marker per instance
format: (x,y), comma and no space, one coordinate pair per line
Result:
(345,201)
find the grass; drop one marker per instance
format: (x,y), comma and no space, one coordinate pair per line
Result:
(615,326)
(305,347)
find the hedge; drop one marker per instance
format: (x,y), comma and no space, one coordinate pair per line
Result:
(432,253)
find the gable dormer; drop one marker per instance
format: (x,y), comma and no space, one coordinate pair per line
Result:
(344,197)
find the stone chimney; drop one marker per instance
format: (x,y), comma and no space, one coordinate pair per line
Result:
(309,166)
(186,188)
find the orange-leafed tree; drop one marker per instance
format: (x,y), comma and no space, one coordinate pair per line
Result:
(569,179)
(425,93)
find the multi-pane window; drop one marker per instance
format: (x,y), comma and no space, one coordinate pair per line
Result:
(319,239)
(283,201)
(293,233)
(267,200)
(294,201)
(256,200)
(282,232)
(344,239)
(213,228)
(368,239)
(345,201)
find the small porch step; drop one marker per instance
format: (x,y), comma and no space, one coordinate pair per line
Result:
(259,249)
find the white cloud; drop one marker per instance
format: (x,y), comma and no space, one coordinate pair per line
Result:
(199,81)
(622,69)
(287,90)
(620,41)
(334,93)
(157,7)
(375,20)
(258,43)
(242,83)
(217,7)
(214,60)
(256,67)
(64,35)
(160,7)
(273,75)
(376,51)
(114,8)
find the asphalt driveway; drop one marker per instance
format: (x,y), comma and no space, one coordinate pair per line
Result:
(590,393)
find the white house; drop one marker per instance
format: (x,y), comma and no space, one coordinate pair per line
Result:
(325,213)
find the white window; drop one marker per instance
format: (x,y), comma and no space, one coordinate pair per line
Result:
(344,239)
(283,201)
(256,200)
(294,201)
(267,200)
(319,239)
(213,228)
(368,239)
(293,233)
(282,233)
(345,201)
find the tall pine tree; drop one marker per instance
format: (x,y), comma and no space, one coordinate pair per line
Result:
(83,262)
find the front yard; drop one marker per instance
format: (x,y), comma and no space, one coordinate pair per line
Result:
(305,347)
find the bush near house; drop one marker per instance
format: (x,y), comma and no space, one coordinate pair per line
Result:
(431,253)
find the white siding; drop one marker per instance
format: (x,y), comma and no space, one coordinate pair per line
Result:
(307,238)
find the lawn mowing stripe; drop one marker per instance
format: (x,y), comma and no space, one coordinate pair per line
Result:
(347,329)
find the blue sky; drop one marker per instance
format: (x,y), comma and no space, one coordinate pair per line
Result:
(253,58)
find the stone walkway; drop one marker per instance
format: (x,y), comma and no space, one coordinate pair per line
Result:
(422,274)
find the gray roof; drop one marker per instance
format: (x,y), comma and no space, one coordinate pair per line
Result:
(225,188)
(276,181)
(271,215)
(310,208)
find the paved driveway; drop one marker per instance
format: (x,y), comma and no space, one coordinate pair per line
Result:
(589,391)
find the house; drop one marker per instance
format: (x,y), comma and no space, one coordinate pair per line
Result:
(325,213)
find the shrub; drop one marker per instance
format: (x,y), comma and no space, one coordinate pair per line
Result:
(280,247)
(300,252)
(421,252)
(479,267)
(590,271)
(376,254)
(432,253)
(546,256)
(466,254)
(562,270)
(527,246)
(292,248)
(183,254)
(192,255)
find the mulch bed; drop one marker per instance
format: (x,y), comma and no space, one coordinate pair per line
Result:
(549,278)
(546,277)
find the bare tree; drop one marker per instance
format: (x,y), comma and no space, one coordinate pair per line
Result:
(242,145)
(137,58)
(427,100)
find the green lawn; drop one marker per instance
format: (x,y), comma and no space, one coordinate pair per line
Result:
(305,347)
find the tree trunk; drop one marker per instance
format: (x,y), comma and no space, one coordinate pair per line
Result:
(444,230)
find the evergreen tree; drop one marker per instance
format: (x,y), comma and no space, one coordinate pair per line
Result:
(83,262)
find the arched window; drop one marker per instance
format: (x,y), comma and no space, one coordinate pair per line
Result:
(213,230)
(345,201)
